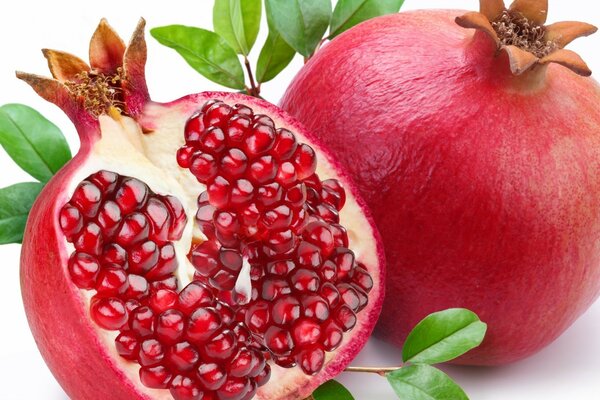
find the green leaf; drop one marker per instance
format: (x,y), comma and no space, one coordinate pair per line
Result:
(301,23)
(15,203)
(238,22)
(349,13)
(443,336)
(332,390)
(33,142)
(205,51)
(424,382)
(275,55)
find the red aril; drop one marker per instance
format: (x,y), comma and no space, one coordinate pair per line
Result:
(478,153)
(174,255)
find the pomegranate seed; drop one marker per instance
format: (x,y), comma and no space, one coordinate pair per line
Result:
(241,192)
(155,377)
(264,169)
(234,163)
(345,317)
(260,140)
(333,193)
(143,257)
(203,324)
(203,166)
(311,359)
(363,279)
(234,389)
(90,240)
(285,361)
(281,268)
(264,376)
(132,305)
(127,345)
(243,363)
(279,243)
(151,353)
(170,326)
(295,196)
(217,114)
(159,218)
(305,280)
(111,281)
(344,259)
(131,195)
(106,181)
(319,234)
(184,388)
(71,221)
(162,300)
(340,236)
(83,269)
(142,321)
(219,192)
(274,287)
(258,317)
(239,127)
(183,356)
(204,258)
(114,254)
(109,217)
(286,175)
(178,217)
(213,140)
(169,283)
(184,156)
(316,307)
(87,198)
(305,161)
(134,229)
(306,332)
(278,218)
(211,375)
(279,341)
(309,255)
(194,128)
(166,265)
(193,296)
(137,287)
(328,271)
(263,120)
(221,347)
(349,296)
(269,195)
(109,312)
(331,294)
(332,336)
(285,310)
(285,144)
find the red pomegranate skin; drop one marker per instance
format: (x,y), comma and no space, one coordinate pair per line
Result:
(485,186)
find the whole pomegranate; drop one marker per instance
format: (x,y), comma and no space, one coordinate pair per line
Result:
(190,250)
(478,153)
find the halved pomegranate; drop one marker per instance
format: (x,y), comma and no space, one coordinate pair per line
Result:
(207,248)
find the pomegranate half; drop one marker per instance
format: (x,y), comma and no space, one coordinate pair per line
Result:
(478,153)
(207,248)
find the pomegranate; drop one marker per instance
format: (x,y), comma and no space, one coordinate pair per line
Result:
(478,152)
(207,248)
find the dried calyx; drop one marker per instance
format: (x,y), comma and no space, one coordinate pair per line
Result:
(520,32)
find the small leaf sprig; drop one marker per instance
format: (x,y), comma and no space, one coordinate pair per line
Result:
(295,26)
(37,146)
(440,337)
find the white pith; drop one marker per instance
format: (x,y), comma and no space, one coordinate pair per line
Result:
(150,157)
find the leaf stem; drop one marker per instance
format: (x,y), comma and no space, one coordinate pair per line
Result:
(372,370)
(254,89)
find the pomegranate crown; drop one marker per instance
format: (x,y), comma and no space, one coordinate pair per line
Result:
(113,82)
(520,32)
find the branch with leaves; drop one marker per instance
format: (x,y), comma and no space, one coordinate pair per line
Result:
(295,26)
(440,337)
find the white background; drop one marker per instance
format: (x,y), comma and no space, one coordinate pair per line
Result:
(568,369)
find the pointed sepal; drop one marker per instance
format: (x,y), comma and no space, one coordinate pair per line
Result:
(64,66)
(520,60)
(475,20)
(106,49)
(563,33)
(134,71)
(535,11)
(568,59)
(492,9)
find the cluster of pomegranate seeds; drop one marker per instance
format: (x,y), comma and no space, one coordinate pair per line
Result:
(187,341)
(265,205)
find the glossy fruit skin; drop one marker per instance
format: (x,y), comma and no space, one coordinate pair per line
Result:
(73,340)
(484,186)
